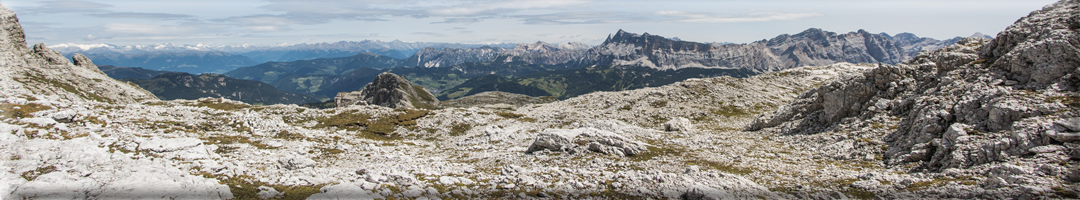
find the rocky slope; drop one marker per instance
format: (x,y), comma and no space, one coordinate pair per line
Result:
(389,90)
(966,121)
(496,100)
(998,114)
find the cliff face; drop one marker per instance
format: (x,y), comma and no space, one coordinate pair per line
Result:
(389,90)
(42,73)
(811,47)
(546,53)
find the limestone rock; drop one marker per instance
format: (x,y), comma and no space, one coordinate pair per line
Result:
(678,124)
(594,140)
(1041,49)
(389,90)
(43,73)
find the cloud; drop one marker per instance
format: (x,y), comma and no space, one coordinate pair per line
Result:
(458,21)
(147,29)
(679,16)
(499,7)
(92,38)
(582,18)
(137,15)
(68,6)
(429,34)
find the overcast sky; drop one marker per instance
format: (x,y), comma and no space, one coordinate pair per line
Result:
(126,22)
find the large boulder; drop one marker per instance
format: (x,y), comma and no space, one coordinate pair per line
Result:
(389,90)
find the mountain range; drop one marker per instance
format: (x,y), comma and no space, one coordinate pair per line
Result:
(627,60)
(979,119)
(201,58)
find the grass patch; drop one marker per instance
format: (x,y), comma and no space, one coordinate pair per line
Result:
(936,182)
(653,152)
(289,136)
(33,174)
(242,187)
(1065,193)
(380,128)
(1069,100)
(720,166)
(18,111)
(459,129)
(222,140)
(67,87)
(510,115)
(220,104)
(730,111)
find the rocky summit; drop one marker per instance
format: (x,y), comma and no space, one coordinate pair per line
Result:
(987,119)
(389,90)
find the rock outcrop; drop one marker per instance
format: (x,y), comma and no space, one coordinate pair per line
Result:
(41,73)
(389,90)
(967,108)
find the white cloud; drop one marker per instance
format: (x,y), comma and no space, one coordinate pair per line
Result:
(138,15)
(679,16)
(146,29)
(68,6)
(489,8)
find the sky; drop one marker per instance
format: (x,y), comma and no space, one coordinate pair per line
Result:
(266,22)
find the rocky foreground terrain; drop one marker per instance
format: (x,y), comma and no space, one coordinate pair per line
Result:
(979,119)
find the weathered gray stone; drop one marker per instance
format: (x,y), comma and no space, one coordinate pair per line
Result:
(389,90)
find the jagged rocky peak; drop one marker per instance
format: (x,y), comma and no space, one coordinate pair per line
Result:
(649,42)
(42,73)
(539,47)
(389,90)
(574,46)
